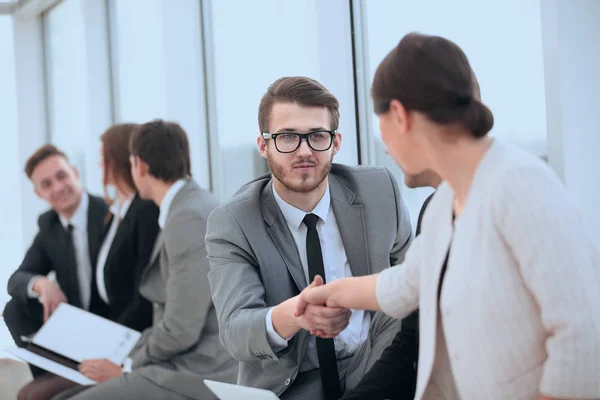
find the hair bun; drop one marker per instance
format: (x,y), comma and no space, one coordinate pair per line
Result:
(478,118)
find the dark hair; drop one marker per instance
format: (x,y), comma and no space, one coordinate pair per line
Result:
(301,90)
(115,143)
(431,75)
(164,147)
(47,150)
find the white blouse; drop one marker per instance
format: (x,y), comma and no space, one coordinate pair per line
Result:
(519,311)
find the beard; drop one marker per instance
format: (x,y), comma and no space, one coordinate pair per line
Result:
(308,181)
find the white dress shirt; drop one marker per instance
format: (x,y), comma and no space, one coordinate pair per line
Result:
(118,211)
(519,311)
(79,220)
(336,266)
(165,204)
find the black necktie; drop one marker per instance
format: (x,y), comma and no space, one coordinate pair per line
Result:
(73,261)
(325,347)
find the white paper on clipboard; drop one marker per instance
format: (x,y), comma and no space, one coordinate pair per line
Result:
(80,335)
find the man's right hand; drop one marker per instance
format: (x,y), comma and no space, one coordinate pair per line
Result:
(51,295)
(329,322)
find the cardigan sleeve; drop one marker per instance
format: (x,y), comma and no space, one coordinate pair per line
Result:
(561,268)
(398,286)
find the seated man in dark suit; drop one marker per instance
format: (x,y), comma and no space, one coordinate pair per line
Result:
(67,243)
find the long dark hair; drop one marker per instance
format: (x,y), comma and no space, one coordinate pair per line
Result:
(115,142)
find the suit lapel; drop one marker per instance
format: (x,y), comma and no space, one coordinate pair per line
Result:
(120,236)
(97,210)
(160,240)
(71,284)
(107,225)
(279,232)
(158,244)
(351,223)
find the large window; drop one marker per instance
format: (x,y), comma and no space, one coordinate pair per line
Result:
(503,41)
(66,73)
(260,42)
(158,68)
(11,229)
(78,82)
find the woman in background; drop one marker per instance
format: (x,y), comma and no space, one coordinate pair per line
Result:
(130,232)
(504,274)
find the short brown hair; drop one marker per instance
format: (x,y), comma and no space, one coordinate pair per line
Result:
(432,75)
(115,143)
(164,147)
(301,90)
(47,150)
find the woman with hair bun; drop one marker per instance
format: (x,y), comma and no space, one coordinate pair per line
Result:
(504,274)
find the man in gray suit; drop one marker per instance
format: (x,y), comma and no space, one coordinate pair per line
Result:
(182,347)
(307,217)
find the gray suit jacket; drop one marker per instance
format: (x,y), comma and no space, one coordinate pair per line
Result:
(254,261)
(182,347)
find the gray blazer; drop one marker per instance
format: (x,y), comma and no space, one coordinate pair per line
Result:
(182,347)
(254,261)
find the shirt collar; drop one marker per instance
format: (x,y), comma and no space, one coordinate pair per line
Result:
(294,216)
(79,217)
(119,210)
(165,205)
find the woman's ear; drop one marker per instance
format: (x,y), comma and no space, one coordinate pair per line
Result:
(401,116)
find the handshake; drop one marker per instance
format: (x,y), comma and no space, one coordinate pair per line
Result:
(312,310)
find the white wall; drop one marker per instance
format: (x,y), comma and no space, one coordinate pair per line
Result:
(572,59)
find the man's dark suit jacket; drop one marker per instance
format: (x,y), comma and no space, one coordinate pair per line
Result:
(128,256)
(47,253)
(394,375)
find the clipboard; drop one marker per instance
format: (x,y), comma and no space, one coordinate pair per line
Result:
(72,335)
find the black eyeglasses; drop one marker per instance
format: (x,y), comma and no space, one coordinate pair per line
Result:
(289,142)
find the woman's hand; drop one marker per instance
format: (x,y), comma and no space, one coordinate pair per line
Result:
(316,293)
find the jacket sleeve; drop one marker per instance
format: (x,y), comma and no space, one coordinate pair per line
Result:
(188,300)
(36,263)
(237,289)
(404,229)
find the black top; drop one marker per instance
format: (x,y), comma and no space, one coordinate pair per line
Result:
(129,253)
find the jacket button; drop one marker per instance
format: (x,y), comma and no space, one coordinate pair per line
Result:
(288,381)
